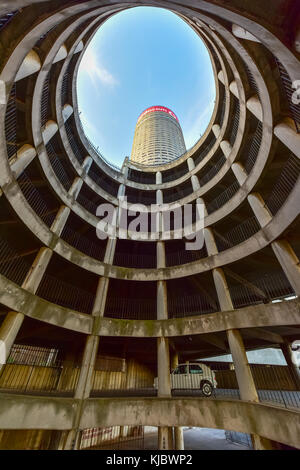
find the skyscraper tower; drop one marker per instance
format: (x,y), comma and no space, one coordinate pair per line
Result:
(158,137)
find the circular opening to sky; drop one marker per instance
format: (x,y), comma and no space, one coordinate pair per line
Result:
(142,57)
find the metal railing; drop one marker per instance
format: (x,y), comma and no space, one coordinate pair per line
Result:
(251,80)
(35,200)
(64,88)
(131,309)
(45,100)
(263,289)
(65,294)
(101,181)
(11,124)
(73,143)
(224,197)
(58,167)
(289,91)
(12,264)
(113,437)
(203,153)
(213,171)
(190,305)
(252,148)
(237,234)
(6,18)
(284,185)
(84,244)
(185,256)
(87,204)
(132,260)
(236,120)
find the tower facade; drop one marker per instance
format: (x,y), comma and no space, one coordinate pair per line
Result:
(158,137)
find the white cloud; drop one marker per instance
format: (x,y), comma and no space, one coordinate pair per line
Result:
(91,65)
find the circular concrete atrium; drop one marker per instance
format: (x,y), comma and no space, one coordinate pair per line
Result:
(91,328)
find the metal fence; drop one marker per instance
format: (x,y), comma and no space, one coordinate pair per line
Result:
(131,309)
(213,171)
(65,294)
(284,185)
(45,100)
(84,244)
(222,198)
(11,123)
(191,305)
(252,148)
(12,264)
(237,234)
(204,152)
(236,120)
(185,256)
(73,143)
(61,172)
(132,260)
(113,438)
(289,91)
(6,18)
(35,200)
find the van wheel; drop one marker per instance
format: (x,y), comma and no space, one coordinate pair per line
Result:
(206,389)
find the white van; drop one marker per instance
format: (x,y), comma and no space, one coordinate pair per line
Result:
(195,376)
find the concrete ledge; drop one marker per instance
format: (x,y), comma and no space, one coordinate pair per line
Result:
(279,314)
(18,299)
(23,412)
(271,422)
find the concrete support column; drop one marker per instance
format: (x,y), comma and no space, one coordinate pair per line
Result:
(286,132)
(241,365)
(14,320)
(163,367)
(87,163)
(222,289)
(226,148)
(289,262)
(240,172)
(210,242)
(164,438)
(76,187)
(178,437)
(254,106)
(195,183)
(159,196)
(25,155)
(158,177)
(216,130)
(174,360)
(282,249)
(191,164)
(293,367)
(60,220)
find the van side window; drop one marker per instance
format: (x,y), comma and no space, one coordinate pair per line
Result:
(195,369)
(180,370)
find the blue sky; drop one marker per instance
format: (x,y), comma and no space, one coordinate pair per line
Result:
(140,58)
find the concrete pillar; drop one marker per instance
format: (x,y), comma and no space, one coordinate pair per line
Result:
(226,148)
(13,320)
(234,89)
(191,164)
(160,255)
(242,33)
(240,172)
(30,65)
(216,130)
(286,132)
(254,105)
(162,303)
(179,439)
(293,367)
(49,131)
(210,242)
(195,183)
(242,369)
(289,263)
(67,111)
(259,208)
(60,220)
(87,163)
(222,290)
(164,438)
(159,196)
(121,191)
(24,156)
(76,187)
(163,367)
(174,360)
(158,177)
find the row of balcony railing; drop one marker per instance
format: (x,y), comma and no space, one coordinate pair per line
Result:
(275,383)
